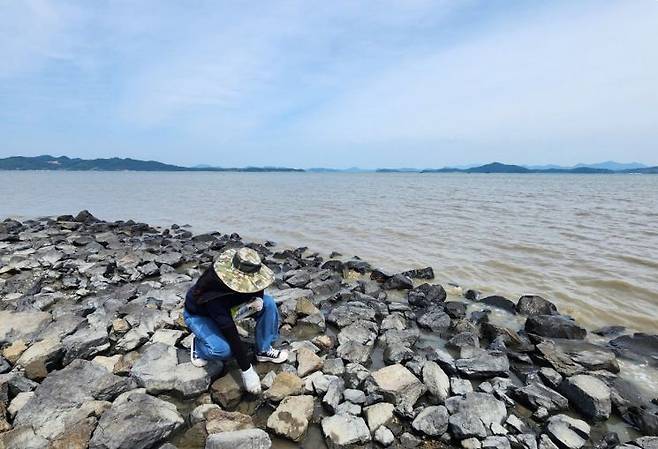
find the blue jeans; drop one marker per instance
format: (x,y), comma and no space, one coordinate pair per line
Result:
(210,343)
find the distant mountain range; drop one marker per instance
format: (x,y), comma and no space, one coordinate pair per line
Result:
(117,164)
(113,164)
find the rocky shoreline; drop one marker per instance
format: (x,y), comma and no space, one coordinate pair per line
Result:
(94,354)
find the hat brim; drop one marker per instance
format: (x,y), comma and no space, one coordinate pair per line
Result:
(240,281)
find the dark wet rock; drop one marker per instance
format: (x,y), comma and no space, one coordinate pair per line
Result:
(86,217)
(471,294)
(334,265)
(567,432)
(420,273)
(536,395)
(608,441)
(532,305)
(500,302)
(398,282)
(347,314)
(357,265)
(639,346)
(432,421)
(609,331)
(483,364)
(434,319)
(456,310)
(380,276)
(550,377)
(556,326)
(345,430)
(135,420)
(426,294)
(589,395)
(464,339)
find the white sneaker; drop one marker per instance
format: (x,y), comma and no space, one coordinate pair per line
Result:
(273,355)
(196,360)
(251,380)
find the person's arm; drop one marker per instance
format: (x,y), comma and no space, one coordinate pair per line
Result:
(222,316)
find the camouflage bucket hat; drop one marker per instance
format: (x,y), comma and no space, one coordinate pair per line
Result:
(243,271)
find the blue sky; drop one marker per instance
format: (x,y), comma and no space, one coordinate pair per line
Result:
(342,83)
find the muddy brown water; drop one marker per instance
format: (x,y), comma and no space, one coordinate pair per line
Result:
(587,242)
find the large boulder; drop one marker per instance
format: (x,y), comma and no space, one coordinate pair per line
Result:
(59,399)
(344,430)
(589,395)
(158,371)
(536,395)
(436,381)
(136,420)
(483,365)
(399,386)
(21,325)
(554,326)
(426,294)
(473,412)
(532,305)
(432,421)
(285,384)
(291,417)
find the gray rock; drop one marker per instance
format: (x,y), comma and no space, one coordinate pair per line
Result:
(380,414)
(344,430)
(465,425)
(589,395)
(137,421)
(158,371)
(85,343)
(426,295)
(58,399)
(399,386)
(308,362)
(354,396)
(596,360)
(484,406)
(567,432)
(535,395)
(435,319)
(355,374)
(436,381)
(398,282)
(334,395)
(495,442)
(432,421)
(334,367)
(291,417)
(240,439)
(348,408)
(21,325)
(639,346)
(554,326)
(550,354)
(484,365)
(460,386)
(384,436)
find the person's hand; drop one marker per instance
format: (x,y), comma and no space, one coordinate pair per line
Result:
(251,381)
